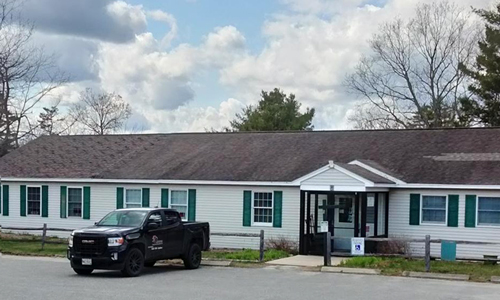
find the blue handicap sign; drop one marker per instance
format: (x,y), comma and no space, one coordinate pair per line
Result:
(358,247)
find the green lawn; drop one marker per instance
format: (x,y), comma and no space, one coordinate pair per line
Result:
(25,245)
(31,248)
(247,254)
(396,266)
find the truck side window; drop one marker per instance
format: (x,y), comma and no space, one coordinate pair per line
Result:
(171,217)
(155,218)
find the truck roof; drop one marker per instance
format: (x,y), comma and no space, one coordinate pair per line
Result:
(145,209)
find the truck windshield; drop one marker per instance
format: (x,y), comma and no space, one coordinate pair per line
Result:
(123,218)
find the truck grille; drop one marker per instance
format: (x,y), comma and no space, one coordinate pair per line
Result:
(90,245)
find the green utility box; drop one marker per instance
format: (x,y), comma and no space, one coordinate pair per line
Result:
(448,251)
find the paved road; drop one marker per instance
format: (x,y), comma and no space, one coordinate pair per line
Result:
(35,278)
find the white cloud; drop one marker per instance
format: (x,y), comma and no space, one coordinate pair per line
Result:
(309,48)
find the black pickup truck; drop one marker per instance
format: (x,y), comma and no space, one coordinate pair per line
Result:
(131,239)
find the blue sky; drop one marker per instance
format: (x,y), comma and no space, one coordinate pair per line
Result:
(219,58)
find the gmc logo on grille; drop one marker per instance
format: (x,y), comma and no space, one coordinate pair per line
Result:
(88,241)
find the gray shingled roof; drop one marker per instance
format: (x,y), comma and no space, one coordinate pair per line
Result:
(414,156)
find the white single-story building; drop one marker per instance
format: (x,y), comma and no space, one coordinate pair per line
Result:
(395,183)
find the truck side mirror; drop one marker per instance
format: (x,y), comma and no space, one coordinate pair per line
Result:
(153,226)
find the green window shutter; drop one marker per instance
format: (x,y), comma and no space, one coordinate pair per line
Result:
(1,197)
(119,198)
(64,200)
(192,205)
(247,208)
(23,201)
(145,197)
(453,210)
(5,199)
(86,202)
(414,209)
(164,198)
(45,201)
(470,211)
(278,207)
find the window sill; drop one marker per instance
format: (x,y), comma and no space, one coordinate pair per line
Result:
(488,226)
(262,225)
(433,224)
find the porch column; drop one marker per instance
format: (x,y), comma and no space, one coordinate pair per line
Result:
(387,214)
(364,203)
(302,249)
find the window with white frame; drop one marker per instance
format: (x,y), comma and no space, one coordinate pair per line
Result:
(263,208)
(179,202)
(75,196)
(133,198)
(488,211)
(434,209)
(34,200)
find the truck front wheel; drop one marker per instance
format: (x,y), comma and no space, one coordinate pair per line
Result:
(134,262)
(192,258)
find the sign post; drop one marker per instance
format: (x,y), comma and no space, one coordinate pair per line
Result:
(358,246)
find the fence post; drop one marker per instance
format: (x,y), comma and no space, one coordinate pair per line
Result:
(44,234)
(328,249)
(427,253)
(261,248)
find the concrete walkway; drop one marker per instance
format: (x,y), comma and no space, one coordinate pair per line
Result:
(304,261)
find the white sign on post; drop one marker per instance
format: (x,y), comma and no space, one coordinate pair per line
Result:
(324,226)
(357,246)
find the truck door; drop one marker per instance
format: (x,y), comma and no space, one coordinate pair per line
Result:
(155,238)
(174,240)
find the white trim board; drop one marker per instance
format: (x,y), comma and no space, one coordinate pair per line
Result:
(376,171)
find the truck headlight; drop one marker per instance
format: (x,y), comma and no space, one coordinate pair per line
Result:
(70,240)
(116,241)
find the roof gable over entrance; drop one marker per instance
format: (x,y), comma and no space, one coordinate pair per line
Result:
(445,156)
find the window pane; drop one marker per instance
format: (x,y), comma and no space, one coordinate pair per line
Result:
(433,215)
(182,209)
(179,197)
(74,202)
(33,199)
(133,198)
(434,202)
(488,211)
(489,203)
(489,217)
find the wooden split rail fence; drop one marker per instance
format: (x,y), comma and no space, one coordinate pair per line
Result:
(45,229)
(427,242)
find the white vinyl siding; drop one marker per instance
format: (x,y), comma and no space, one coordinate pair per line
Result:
(332,177)
(399,212)
(221,206)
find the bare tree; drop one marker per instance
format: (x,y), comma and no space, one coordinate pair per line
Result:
(27,76)
(412,78)
(102,113)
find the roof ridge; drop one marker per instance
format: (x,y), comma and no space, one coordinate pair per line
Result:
(283,132)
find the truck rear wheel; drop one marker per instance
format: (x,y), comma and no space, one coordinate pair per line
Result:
(134,263)
(192,260)
(83,271)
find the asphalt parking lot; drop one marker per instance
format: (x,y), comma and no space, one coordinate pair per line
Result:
(46,278)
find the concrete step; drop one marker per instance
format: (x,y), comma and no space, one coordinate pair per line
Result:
(216,263)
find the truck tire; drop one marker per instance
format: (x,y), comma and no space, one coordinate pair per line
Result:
(150,264)
(192,259)
(134,263)
(83,271)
